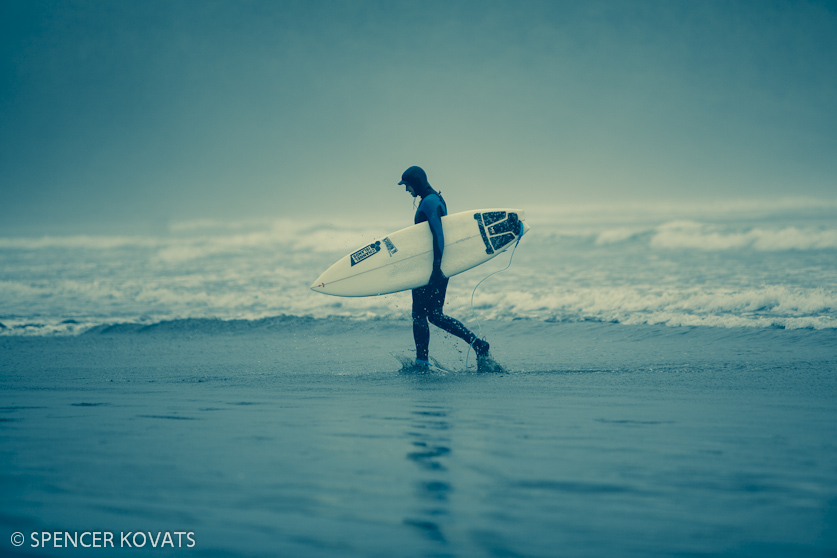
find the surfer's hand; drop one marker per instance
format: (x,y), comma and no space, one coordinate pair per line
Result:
(436,276)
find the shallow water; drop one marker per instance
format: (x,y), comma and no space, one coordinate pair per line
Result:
(304,438)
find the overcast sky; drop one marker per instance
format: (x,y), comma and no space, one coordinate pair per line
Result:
(136,114)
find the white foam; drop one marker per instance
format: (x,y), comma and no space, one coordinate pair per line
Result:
(617,235)
(700,236)
(757,307)
(724,273)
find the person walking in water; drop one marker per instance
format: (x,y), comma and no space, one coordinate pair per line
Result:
(429,299)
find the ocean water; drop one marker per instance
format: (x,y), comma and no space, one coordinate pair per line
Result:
(747,264)
(669,388)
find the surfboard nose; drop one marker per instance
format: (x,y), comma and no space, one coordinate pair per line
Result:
(318,286)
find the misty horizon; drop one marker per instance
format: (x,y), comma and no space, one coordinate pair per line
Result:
(133,116)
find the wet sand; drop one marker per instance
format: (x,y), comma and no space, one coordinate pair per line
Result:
(294,437)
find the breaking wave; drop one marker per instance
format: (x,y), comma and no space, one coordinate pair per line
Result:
(752,271)
(771,306)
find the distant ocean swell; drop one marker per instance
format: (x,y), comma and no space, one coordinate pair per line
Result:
(776,272)
(688,234)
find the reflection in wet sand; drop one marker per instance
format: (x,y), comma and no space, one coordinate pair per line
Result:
(429,431)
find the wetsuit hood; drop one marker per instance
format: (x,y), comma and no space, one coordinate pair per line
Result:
(417,178)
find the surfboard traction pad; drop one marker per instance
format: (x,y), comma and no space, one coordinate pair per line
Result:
(497,229)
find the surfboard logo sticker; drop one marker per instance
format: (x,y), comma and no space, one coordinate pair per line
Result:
(365,252)
(390,246)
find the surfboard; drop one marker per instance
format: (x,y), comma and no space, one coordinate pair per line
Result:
(404,259)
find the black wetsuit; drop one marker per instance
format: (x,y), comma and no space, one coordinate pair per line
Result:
(428,300)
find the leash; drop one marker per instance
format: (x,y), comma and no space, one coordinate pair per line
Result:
(479,326)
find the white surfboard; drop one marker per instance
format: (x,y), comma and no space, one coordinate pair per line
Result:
(404,259)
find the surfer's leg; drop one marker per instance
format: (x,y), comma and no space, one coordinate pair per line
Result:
(451,325)
(438,319)
(421,331)
(455,327)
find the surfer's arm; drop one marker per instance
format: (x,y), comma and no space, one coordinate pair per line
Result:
(435,222)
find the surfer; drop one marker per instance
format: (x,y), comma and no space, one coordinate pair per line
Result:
(429,299)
